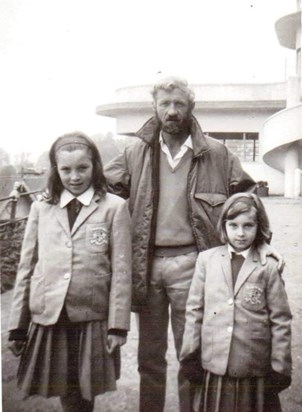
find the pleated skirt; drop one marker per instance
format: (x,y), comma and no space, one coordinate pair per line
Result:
(68,355)
(227,394)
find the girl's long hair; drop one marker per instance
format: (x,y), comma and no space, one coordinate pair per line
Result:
(244,203)
(70,142)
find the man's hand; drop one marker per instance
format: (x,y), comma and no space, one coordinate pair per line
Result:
(267,250)
(277,382)
(192,369)
(114,341)
(17,347)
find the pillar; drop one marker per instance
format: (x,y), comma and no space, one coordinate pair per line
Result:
(291,163)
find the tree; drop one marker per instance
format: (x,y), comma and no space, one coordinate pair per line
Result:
(22,161)
(43,162)
(4,158)
(7,171)
(106,146)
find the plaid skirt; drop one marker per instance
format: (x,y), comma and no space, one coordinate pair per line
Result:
(227,394)
(68,355)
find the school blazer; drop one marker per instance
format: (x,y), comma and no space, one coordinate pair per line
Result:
(88,268)
(242,331)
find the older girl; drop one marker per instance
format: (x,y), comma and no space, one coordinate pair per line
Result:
(238,318)
(71,304)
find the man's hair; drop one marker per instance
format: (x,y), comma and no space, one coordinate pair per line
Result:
(172,82)
(70,142)
(244,203)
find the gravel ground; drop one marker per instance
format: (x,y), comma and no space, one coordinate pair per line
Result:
(285,216)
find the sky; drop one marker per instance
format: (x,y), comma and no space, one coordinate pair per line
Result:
(62,58)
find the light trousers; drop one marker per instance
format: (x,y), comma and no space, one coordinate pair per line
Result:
(169,286)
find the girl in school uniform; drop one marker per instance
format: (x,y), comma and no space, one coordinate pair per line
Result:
(71,304)
(236,345)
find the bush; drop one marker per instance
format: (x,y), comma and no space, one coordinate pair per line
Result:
(11,236)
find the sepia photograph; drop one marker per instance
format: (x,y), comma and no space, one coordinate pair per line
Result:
(150,206)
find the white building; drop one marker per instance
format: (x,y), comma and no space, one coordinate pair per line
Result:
(281,136)
(261,123)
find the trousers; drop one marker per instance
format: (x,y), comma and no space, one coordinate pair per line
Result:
(167,296)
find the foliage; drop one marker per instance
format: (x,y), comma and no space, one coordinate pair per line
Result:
(4,158)
(11,237)
(7,171)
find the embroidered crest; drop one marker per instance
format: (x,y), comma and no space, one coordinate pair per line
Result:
(99,236)
(253,295)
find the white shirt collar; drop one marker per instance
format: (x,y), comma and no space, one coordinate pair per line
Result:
(244,253)
(173,161)
(187,143)
(85,198)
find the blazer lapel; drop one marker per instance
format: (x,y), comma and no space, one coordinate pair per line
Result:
(62,217)
(85,212)
(226,267)
(246,270)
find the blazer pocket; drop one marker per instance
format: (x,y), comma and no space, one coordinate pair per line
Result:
(97,237)
(37,294)
(261,344)
(100,292)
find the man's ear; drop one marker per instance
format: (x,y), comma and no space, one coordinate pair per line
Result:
(192,106)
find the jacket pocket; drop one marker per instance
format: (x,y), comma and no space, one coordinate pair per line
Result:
(37,294)
(261,348)
(211,199)
(97,237)
(100,292)
(211,204)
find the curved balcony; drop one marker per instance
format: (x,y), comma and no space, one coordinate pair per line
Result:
(280,132)
(286,28)
(132,106)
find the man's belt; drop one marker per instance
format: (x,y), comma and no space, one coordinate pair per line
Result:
(170,251)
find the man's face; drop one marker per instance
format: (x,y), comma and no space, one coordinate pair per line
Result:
(172,109)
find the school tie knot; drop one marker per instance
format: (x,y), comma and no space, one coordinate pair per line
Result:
(73,208)
(236,263)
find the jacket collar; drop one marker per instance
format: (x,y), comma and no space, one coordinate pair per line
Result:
(149,133)
(85,212)
(246,270)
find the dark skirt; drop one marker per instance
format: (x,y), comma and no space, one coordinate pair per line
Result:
(66,355)
(227,394)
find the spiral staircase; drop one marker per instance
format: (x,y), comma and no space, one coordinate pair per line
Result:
(281,136)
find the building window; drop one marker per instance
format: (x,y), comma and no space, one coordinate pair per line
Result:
(243,145)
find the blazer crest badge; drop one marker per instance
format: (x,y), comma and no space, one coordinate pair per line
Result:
(253,295)
(98,236)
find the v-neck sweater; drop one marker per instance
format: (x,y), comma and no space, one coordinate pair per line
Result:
(173,223)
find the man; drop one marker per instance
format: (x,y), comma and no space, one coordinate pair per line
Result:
(176,180)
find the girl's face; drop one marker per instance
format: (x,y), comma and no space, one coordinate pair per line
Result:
(242,230)
(75,170)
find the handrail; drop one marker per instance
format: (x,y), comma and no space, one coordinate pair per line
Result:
(13,201)
(9,222)
(20,194)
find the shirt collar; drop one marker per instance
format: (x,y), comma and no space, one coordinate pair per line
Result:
(188,143)
(85,198)
(244,253)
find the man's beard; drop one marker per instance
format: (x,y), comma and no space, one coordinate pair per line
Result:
(174,125)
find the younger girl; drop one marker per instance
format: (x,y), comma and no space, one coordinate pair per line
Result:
(238,320)
(71,305)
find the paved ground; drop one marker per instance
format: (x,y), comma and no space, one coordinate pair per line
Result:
(285,216)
